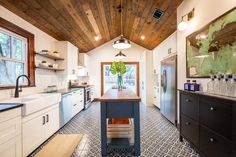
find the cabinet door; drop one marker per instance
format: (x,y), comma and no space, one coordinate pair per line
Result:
(77,102)
(190,130)
(72,59)
(52,122)
(11,148)
(33,134)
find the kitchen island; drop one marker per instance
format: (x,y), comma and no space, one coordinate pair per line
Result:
(120,104)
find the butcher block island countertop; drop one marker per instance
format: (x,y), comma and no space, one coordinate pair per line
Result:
(120,106)
(124,95)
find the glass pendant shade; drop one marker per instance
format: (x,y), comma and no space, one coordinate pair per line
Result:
(121,44)
(182,25)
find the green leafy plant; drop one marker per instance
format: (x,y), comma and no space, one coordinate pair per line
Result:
(118,68)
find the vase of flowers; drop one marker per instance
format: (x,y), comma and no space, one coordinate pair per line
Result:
(118,68)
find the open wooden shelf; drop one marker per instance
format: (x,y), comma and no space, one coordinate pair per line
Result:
(49,56)
(48,68)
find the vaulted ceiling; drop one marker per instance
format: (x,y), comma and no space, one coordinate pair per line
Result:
(80,21)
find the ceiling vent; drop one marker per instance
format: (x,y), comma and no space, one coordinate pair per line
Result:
(157,13)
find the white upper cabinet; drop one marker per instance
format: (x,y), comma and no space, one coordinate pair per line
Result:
(70,54)
(83,64)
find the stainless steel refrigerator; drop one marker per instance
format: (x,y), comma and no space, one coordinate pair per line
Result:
(168,97)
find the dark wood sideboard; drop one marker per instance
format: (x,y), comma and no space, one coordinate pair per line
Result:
(208,123)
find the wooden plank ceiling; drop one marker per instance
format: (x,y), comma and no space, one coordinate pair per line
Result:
(80,21)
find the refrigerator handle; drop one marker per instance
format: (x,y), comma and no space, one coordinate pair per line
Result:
(164,81)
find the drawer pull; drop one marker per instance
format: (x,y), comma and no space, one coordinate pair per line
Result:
(47,117)
(212,140)
(187,100)
(187,123)
(44,120)
(74,104)
(212,108)
(81,100)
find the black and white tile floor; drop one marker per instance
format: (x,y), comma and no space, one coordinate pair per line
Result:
(159,138)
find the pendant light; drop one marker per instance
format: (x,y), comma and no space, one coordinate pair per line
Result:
(120,56)
(122,43)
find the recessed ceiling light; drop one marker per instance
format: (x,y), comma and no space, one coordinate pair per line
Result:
(142,37)
(203,36)
(98,37)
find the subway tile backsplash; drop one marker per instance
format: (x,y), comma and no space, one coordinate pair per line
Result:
(43,79)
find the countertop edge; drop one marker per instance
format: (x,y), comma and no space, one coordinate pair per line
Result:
(210,95)
(14,105)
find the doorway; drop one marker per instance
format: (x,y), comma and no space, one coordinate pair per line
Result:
(130,78)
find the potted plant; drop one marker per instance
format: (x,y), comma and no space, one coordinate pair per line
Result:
(118,68)
(44,63)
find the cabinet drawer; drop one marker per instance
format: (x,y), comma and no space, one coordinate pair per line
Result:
(212,145)
(11,148)
(10,129)
(217,115)
(190,130)
(189,105)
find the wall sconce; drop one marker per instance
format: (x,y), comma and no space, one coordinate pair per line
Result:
(183,24)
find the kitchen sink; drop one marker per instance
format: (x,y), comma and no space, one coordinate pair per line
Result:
(36,102)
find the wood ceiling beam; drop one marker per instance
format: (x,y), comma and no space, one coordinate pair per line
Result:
(23,13)
(102,16)
(71,10)
(91,18)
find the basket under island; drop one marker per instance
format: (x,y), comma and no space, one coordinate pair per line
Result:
(120,104)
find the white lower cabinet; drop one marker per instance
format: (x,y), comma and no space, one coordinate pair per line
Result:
(10,133)
(52,122)
(11,148)
(77,101)
(38,127)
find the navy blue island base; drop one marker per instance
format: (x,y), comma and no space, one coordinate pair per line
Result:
(120,104)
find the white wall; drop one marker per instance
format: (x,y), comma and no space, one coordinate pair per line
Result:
(205,12)
(159,53)
(106,53)
(42,41)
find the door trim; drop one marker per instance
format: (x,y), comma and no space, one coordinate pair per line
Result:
(108,63)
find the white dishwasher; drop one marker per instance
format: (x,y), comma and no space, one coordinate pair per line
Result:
(65,109)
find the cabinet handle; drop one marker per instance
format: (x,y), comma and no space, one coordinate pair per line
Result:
(47,118)
(74,104)
(44,120)
(212,108)
(211,139)
(187,123)
(187,100)
(81,100)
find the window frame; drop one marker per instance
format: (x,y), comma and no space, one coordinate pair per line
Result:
(12,28)
(109,63)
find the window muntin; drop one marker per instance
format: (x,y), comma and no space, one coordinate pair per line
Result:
(13,57)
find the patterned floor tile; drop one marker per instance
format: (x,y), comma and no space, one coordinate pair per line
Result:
(159,138)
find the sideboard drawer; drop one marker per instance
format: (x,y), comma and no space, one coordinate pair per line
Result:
(217,115)
(190,130)
(212,145)
(189,105)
